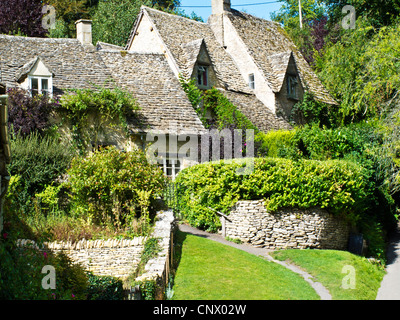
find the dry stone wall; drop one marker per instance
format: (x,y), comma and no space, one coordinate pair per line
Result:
(250,222)
(117,258)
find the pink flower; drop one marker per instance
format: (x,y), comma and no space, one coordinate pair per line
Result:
(45,255)
(5,235)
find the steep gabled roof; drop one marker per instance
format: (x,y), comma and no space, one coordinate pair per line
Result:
(179,34)
(73,65)
(159,94)
(269,46)
(23,72)
(256,112)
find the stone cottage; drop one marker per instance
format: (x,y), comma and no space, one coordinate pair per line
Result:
(250,60)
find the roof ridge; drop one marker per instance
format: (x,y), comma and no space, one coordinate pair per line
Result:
(171,14)
(5,36)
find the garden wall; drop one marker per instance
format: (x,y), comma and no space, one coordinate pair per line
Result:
(117,258)
(250,222)
(158,268)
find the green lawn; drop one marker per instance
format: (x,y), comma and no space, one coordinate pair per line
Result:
(326,266)
(212,271)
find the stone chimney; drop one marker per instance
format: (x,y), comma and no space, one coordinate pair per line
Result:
(84,31)
(220,6)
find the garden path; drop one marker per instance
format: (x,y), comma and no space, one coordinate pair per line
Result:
(318,287)
(390,285)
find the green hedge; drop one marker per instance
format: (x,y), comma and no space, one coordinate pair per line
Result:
(339,186)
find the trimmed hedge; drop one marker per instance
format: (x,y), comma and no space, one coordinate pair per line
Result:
(339,186)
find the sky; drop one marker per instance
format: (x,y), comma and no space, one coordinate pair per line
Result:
(259,10)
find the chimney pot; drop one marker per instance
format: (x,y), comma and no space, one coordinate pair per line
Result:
(84,31)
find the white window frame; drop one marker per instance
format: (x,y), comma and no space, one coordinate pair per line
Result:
(252,81)
(173,165)
(40,89)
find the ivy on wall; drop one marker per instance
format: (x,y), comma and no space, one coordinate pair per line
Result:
(108,108)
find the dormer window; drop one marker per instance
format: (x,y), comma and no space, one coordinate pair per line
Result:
(252,84)
(40,85)
(292,84)
(202,76)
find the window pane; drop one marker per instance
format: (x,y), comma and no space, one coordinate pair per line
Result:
(34,86)
(45,84)
(202,78)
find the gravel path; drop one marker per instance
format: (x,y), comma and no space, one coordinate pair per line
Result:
(318,287)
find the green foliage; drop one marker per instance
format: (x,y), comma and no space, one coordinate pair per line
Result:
(151,249)
(274,143)
(288,14)
(38,161)
(104,186)
(104,105)
(21,277)
(309,110)
(113,20)
(194,94)
(227,114)
(361,71)
(360,143)
(341,187)
(104,288)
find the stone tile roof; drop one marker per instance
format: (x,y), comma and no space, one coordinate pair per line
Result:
(181,35)
(270,47)
(159,94)
(256,112)
(74,66)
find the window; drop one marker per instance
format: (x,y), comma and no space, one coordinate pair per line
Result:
(251,81)
(202,76)
(171,167)
(40,85)
(292,86)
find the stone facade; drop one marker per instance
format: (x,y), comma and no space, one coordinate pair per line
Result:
(250,222)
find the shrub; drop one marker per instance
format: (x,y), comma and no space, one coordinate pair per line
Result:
(21,277)
(274,143)
(108,185)
(28,114)
(105,105)
(341,187)
(36,163)
(104,288)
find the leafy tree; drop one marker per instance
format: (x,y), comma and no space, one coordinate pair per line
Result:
(288,14)
(114,19)
(378,12)
(361,70)
(22,17)
(67,12)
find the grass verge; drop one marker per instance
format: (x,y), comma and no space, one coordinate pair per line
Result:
(212,271)
(345,275)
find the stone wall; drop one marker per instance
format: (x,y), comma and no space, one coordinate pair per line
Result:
(250,222)
(117,258)
(158,268)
